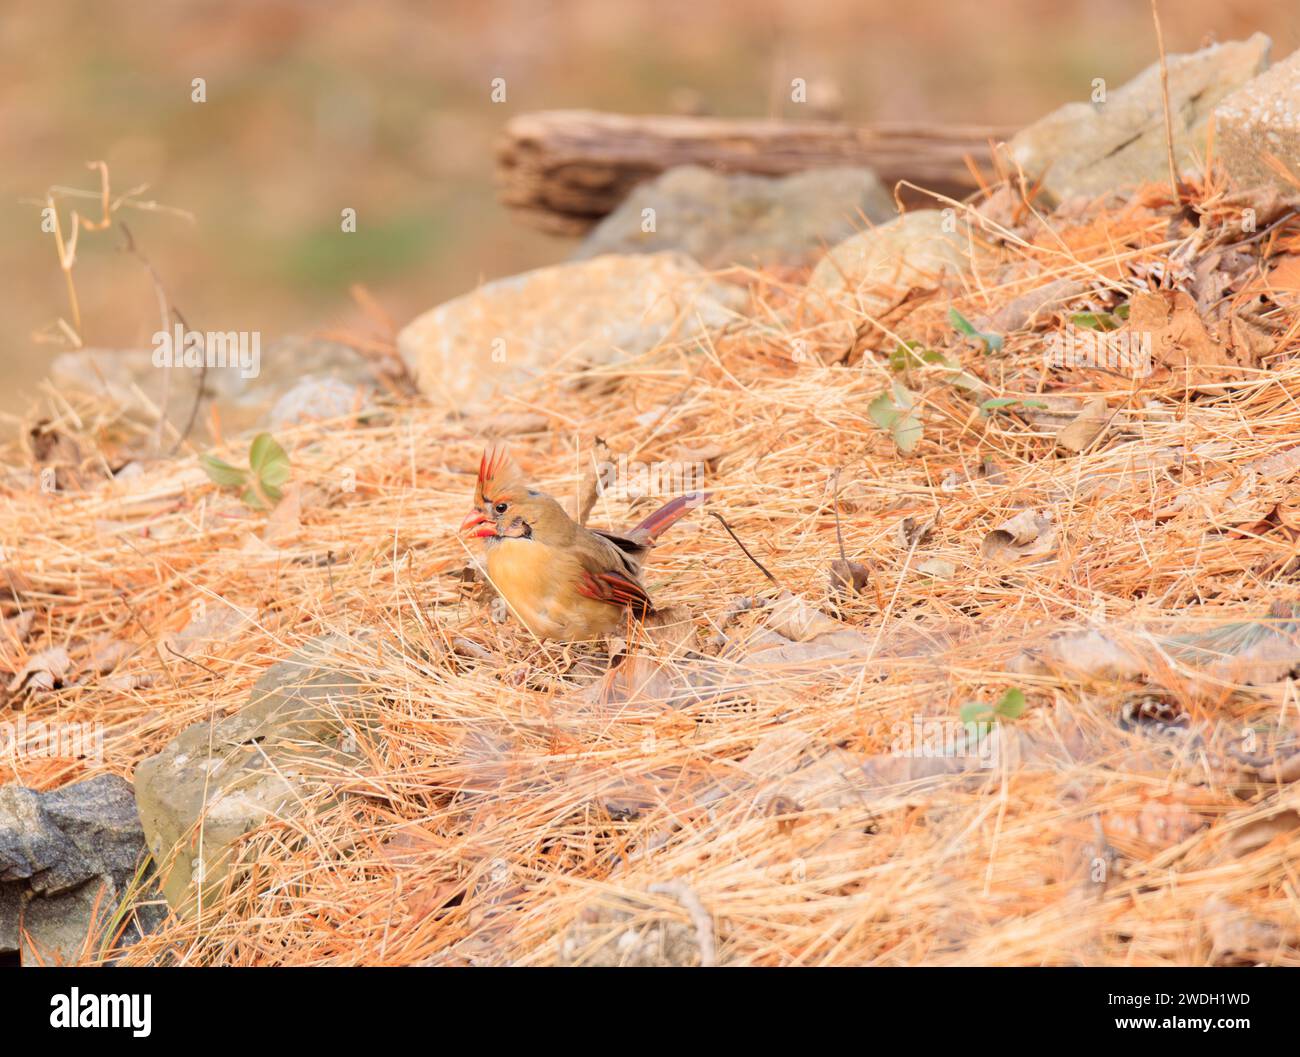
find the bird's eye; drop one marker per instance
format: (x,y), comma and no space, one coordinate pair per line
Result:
(501,508)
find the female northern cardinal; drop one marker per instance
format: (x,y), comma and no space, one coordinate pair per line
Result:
(562,580)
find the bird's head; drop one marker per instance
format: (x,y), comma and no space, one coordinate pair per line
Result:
(504,506)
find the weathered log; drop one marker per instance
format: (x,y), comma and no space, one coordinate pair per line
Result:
(563,170)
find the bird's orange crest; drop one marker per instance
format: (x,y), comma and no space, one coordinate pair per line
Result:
(498,477)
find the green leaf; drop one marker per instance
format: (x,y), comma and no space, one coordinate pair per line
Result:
(907,433)
(1009,401)
(1122,311)
(1012,704)
(883,412)
(992,342)
(903,397)
(268,460)
(908,354)
(221,472)
(254,500)
(892,412)
(962,323)
(1094,321)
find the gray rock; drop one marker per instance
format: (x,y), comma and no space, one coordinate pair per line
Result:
(32,847)
(311,399)
(916,249)
(867,273)
(297,730)
(1093,149)
(61,854)
(294,358)
(723,219)
(622,934)
(1261,119)
(12,898)
(98,816)
(60,929)
(129,379)
(565,317)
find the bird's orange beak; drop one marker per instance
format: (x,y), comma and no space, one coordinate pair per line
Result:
(477,519)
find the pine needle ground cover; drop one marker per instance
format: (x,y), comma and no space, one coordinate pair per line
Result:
(1014,684)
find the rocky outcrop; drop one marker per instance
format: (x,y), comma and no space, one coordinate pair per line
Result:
(1093,148)
(866,274)
(624,932)
(245,395)
(1257,131)
(313,399)
(216,782)
(562,318)
(67,859)
(916,249)
(741,219)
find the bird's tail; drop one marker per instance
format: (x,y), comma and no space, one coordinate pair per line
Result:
(668,515)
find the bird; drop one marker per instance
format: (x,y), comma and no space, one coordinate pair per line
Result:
(564,582)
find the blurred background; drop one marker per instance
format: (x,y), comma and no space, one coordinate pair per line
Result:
(384,107)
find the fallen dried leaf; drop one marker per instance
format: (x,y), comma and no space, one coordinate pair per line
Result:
(913,531)
(1254,835)
(1029,534)
(43,670)
(939,568)
(799,621)
(1086,427)
(848,577)
(1178,337)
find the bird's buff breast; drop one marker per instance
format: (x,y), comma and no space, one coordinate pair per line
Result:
(539,588)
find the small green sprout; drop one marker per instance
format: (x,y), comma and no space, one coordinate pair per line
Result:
(268,469)
(991,342)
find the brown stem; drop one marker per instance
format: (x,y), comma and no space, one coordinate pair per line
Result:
(835,505)
(198,392)
(761,567)
(1164,92)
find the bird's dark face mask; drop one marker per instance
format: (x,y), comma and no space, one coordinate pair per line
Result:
(511,524)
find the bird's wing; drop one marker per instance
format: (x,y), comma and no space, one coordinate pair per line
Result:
(628,545)
(617,590)
(609,573)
